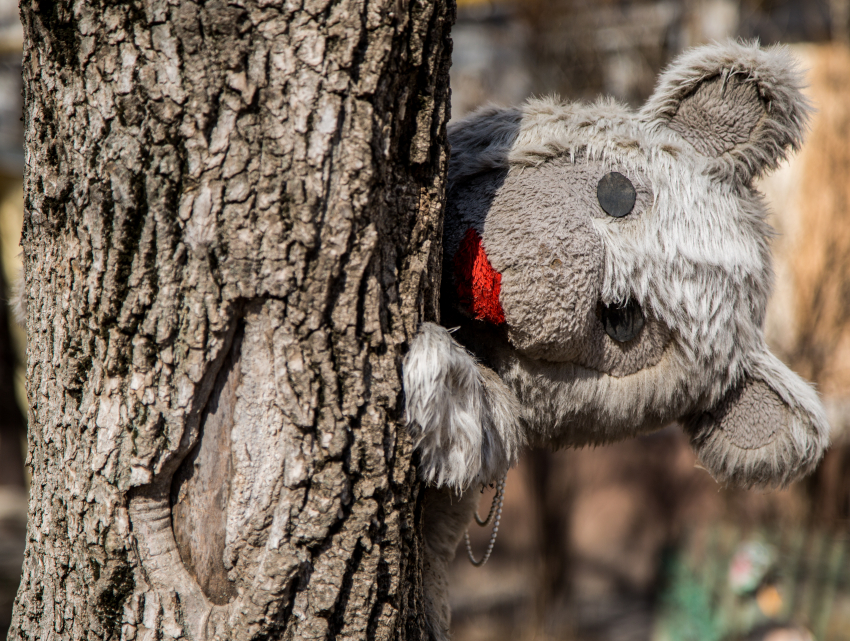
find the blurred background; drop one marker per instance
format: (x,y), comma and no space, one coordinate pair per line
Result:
(631,542)
(13,481)
(634,542)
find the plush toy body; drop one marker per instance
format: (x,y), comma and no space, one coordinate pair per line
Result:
(608,272)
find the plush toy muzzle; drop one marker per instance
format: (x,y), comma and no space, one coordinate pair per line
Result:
(608,273)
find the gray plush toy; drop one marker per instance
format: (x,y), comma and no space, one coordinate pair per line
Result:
(608,272)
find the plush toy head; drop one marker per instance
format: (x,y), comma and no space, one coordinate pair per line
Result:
(612,269)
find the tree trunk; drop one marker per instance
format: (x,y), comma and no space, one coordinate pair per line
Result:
(232,230)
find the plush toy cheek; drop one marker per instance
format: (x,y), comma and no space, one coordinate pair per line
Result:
(478,284)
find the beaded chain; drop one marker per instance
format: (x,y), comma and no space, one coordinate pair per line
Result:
(495,511)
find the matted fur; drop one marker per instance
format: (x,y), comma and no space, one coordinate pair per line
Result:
(461,416)
(694,254)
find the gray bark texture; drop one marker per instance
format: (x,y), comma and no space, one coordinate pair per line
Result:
(232,231)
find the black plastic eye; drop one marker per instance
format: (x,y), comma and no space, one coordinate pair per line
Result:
(616,194)
(622,323)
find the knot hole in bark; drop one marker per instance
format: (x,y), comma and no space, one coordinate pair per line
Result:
(201,486)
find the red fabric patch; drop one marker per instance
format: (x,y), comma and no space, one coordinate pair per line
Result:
(478,284)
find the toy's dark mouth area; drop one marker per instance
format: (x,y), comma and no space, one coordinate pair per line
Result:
(622,321)
(617,339)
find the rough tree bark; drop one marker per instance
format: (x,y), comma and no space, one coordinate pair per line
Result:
(233,214)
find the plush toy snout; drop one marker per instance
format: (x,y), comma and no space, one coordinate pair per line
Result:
(479,289)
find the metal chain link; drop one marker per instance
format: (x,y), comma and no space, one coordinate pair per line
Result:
(495,511)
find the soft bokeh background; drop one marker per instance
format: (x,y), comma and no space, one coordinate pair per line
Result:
(634,542)
(13,497)
(631,542)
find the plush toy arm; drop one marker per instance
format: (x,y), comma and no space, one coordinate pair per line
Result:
(767,431)
(462,417)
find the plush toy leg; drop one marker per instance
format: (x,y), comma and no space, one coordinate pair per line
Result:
(446,516)
(465,422)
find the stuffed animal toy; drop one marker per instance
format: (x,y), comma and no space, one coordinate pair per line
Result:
(607,273)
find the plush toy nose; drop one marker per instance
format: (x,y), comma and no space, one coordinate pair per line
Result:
(547,296)
(547,299)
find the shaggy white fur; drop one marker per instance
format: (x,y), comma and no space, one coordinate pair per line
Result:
(463,418)
(693,254)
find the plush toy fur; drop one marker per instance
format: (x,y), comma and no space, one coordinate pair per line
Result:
(692,253)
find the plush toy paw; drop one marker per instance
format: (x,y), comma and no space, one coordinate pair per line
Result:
(765,432)
(463,418)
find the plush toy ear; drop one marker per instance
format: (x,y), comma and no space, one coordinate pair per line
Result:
(738,105)
(765,432)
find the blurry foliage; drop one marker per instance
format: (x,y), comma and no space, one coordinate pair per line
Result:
(581,48)
(686,612)
(802,586)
